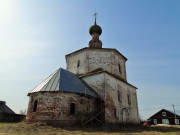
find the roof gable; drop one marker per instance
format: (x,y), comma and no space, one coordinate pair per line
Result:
(63,80)
(168,114)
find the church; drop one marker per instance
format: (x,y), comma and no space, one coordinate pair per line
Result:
(92,90)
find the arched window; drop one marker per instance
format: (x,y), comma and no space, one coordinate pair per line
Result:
(129,98)
(120,70)
(115,113)
(35,105)
(72,108)
(78,63)
(119,96)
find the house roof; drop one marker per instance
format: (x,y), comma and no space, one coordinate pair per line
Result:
(5,109)
(63,80)
(164,110)
(2,102)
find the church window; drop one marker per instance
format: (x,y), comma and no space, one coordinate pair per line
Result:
(119,96)
(120,70)
(78,63)
(35,105)
(115,113)
(72,108)
(129,98)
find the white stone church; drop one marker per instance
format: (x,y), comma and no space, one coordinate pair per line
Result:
(92,90)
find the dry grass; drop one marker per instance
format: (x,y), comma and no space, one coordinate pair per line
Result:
(29,129)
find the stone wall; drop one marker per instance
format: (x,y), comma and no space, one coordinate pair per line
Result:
(119,108)
(121,97)
(88,60)
(55,108)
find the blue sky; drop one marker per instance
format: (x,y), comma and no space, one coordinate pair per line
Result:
(36,35)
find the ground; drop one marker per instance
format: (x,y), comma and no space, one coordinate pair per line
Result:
(35,129)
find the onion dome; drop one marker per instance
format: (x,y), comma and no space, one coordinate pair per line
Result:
(95,29)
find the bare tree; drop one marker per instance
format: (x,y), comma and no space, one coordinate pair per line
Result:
(23,112)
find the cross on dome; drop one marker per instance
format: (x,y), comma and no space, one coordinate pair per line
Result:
(95,14)
(95,31)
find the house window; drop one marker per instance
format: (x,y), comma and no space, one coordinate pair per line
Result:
(120,70)
(129,98)
(119,96)
(155,121)
(35,106)
(165,121)
(72,108)
(176,121)
(78,63)
(163,113)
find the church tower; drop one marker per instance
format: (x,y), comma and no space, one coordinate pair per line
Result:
(95,57)
(104,70)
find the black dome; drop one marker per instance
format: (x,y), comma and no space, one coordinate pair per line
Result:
(95,28)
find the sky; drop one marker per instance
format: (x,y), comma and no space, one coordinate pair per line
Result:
(36,35)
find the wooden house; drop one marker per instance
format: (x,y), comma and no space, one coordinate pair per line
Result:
(165,117)
(8,115)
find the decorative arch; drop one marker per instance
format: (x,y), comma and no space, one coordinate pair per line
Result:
(125,115)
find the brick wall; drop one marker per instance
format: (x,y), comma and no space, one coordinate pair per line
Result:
(54,107)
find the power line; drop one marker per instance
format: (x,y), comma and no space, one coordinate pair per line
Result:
(157,108)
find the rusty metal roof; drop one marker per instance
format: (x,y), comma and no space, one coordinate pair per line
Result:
(63,80)
(5,109)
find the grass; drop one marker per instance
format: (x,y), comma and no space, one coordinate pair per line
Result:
(35,129)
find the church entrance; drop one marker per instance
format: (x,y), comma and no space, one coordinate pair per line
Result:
(124,116)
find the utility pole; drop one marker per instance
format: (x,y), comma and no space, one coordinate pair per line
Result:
(174,114)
